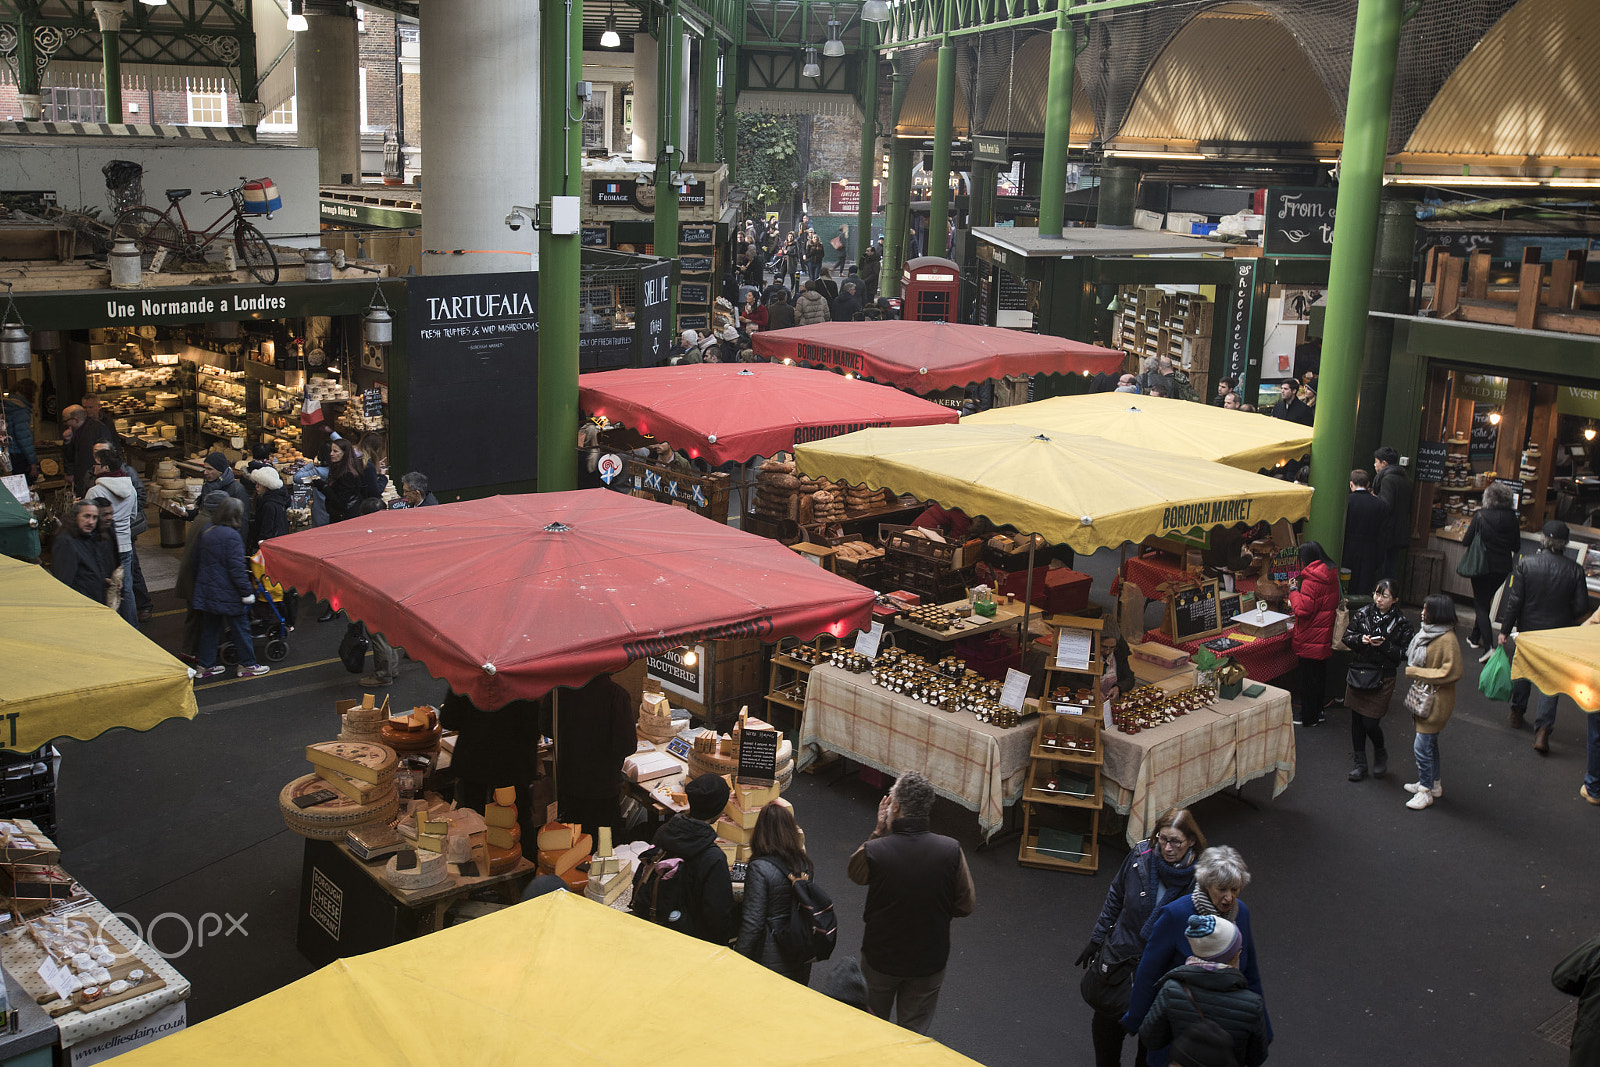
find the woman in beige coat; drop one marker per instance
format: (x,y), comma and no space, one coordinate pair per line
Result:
(1435,658)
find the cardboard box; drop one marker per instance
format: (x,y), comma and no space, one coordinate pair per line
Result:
(1154,652)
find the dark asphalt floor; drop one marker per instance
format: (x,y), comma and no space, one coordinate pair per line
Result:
(1386,936)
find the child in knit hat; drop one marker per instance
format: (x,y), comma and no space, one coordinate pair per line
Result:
(1209,988)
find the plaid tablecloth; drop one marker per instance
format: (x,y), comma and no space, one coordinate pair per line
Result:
(1202,753)
(1263,659)
(977,765)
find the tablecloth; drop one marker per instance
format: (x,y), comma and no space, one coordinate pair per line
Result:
(977,765)
(22,956)
(1202,753)
(1263,659)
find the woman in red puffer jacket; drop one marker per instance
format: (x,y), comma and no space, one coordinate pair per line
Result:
(1314,599)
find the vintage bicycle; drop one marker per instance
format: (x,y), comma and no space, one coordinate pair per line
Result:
(153,231)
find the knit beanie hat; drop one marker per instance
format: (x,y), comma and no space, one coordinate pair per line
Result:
(1212,938)
(708,795)
(218,461)
(267,478)
(1204,1044)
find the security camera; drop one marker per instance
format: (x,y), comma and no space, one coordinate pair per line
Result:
(514,221)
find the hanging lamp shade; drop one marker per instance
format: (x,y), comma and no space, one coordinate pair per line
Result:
(610,38)
(833,47)
(811,69)
(297,16)
(875,11)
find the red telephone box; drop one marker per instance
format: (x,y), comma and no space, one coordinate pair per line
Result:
(931,288)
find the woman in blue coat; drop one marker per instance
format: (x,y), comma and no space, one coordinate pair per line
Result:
(223,592)
(1220,876)
(1154,874)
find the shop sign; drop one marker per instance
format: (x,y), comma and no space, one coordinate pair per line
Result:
(844,197)
(1480,388)
(1207,513)
(472,358)
(1431,461)
(692,195)
(609,466)
(687,681)
(193,305)
(989,149)
(1299,221)
(655,300)
(1583,403)
(613,194)
(379,218)
(605,350)
(1238,343)
(696,235)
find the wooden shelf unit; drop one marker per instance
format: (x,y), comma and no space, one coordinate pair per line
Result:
(784,674)
(1067,748)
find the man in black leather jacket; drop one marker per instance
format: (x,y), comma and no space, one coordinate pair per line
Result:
(1547,591)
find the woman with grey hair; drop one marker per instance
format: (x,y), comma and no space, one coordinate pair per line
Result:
(1220,875)
(1497,524)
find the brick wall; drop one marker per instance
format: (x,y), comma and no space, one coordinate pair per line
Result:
(377,55)
(836,146)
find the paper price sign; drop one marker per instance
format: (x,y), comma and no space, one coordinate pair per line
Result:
(867,641)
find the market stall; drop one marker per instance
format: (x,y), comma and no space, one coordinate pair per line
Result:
(926,357)
(459,996)
(1176,427)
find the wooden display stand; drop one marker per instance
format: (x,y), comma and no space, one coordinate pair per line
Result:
(786,689)
(1068,750)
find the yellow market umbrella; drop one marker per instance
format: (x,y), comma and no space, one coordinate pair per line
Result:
(1181,427)
(1084,492)
(1565,660)
(559,979)
(72,668)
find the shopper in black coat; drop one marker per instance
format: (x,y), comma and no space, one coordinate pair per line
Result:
(496,749)
(342,486)
(594,734)
(1389,482)
(707,892)
(1547,591)
(1497,524)
(80,557)
(776,854)
(271,517)
(1366,526)
(1378,638)
(1155,873)
(1213,989)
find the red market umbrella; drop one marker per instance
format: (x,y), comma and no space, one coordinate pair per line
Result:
(509,597)
(730,412)
(925,357)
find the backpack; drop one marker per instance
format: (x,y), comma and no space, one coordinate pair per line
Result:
(659,886)
(809,934)
(354,646)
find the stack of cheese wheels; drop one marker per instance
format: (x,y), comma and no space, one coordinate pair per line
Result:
(429,871)
(562,846)
(361,776)
(502,832)
(166,470)
(655,719)
(364,721)
(725,760)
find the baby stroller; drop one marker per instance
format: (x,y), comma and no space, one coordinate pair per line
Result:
(271,619)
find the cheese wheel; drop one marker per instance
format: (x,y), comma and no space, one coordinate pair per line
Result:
(503,860)
(409,740)
(429,871)
(330,821)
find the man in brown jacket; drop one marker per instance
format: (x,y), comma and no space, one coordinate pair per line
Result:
(917,881)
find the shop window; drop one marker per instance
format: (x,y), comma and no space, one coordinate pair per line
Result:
(73,105)
(597,119)
(281,117)
(208,109)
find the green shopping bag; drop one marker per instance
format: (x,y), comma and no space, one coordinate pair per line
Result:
(1494,681)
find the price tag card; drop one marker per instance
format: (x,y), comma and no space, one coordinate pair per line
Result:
(17,484)
(1072,649)
(1015,689)
(57,978)
(758,756)
(867,641)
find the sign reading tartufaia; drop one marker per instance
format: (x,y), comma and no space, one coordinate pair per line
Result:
(1206,513)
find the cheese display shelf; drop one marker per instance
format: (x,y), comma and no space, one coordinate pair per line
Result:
(1063,787)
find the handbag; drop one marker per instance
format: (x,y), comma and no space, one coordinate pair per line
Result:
(1419,700)
(1341,626)
(353,648)
(1107,986)
(1364,676)
(1475,562)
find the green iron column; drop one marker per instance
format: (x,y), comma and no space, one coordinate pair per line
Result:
(669,58)
(1366,138)
(109,15)
(560,174)
(980,198)
(897,197)
(705,128)
(1391,292)
(869,135)
(944,113)
(730,117)
(1057,126)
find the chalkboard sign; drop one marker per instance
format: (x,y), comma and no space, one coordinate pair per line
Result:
(1193,613)
(1285,565)
(595,236)
(1430,461)
(694,322)
(696,235)
(758,756)
(1485,434)
(372,403)
(694,293)
(696,264)
(1299,221)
